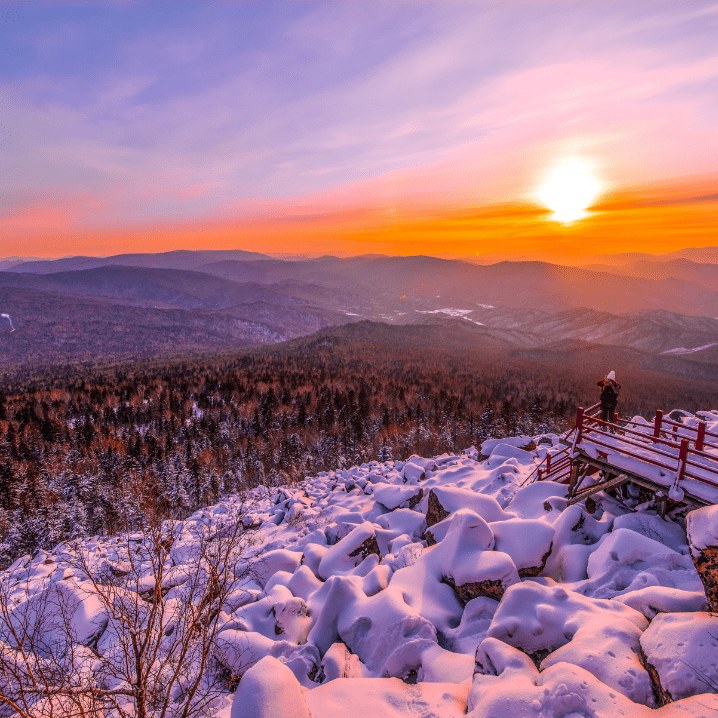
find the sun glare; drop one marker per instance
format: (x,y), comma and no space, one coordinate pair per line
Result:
(569,189)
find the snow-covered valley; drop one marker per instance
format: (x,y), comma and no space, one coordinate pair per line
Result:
(433,587)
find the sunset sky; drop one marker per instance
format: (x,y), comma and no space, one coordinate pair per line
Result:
(348,127)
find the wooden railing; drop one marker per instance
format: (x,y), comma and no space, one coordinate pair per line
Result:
(667,444)
(685,451)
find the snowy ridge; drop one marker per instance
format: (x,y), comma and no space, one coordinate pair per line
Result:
(437,586)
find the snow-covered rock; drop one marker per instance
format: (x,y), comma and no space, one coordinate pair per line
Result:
(702,527)
(396,587)
(682,650)
(269,690)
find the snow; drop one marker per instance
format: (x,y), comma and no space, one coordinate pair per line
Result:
(683,648)
(347,609)
(683,350)
(269,690)
(702,528)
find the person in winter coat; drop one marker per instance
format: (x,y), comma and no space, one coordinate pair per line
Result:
(609,397)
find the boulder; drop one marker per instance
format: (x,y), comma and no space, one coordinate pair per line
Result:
(702,529)
(680,651)
(269,690)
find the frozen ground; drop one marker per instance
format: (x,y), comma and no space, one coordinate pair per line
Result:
(440,587)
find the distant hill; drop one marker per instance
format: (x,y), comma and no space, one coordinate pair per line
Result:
(234,303)
(178,259)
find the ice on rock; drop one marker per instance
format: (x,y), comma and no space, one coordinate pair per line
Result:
(403,521)
(611,652)
(575,533)
(351,594)
(527,541)
(63,611)
(385,632)
(312,557)
(415,469)
(304,583)
(566,691)
(292,620)
(462,558)
(490,445)
(683,651)
(504,451)
(702,528)
(376,580)
(269,690)
(623,546)
(337,594)
(259,616)
(238,650)
(471,631)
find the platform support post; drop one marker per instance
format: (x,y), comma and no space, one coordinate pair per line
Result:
(682,458)
(657,424)
(700,439)
(579,423)
(574,478)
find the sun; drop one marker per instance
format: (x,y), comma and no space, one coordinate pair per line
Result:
(569,189)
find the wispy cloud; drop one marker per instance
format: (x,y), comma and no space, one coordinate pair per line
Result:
(189,110)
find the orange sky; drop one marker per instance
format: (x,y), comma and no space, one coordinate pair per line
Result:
(348,128)
(649,221)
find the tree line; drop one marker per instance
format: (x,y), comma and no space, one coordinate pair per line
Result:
(192,431)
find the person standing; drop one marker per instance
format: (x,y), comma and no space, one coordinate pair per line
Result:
(609,397)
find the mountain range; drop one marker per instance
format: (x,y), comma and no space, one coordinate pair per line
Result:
(91,309)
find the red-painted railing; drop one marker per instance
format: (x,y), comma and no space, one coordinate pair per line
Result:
(667,444)
(688,452)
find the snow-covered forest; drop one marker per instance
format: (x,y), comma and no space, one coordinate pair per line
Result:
(196,431)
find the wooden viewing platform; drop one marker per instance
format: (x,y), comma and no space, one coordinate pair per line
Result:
(677,462)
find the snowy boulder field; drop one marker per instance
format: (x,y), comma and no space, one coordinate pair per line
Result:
(443,587)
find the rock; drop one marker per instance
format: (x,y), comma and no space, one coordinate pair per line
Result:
(468,591)
(707,566)
(702,530)
(339,662)
(679,652)
(445,500)
(527,541)
(342,558)
(369,546)
(269,690)
(436,512)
